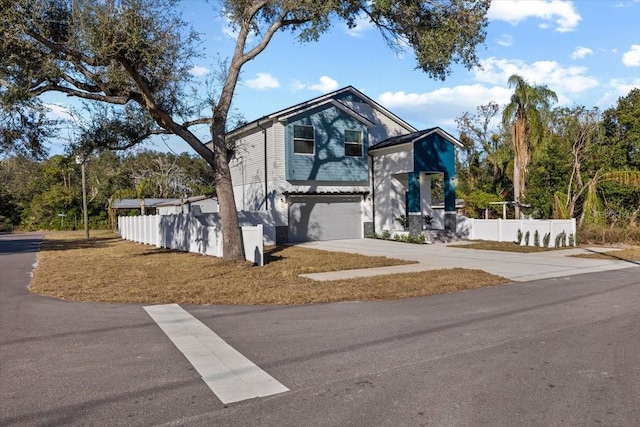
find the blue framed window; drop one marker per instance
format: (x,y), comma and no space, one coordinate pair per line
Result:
(353,143)
(303,139)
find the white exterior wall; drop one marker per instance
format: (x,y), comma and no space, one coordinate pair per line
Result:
(425,195)
(247,172)
(389,191)
(277,175)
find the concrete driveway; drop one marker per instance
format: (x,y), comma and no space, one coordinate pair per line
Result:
(517,267)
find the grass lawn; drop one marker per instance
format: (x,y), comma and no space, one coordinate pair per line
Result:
(105,268)
(631,254)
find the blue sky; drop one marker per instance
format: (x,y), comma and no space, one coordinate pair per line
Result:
(587,51)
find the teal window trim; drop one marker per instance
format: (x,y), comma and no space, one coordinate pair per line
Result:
(304,140)
(353,143)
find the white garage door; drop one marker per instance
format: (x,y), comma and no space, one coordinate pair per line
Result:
(324,218)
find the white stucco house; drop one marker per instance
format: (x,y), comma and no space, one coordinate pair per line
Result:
(340,166)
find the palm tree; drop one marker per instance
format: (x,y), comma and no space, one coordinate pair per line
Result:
(523,116)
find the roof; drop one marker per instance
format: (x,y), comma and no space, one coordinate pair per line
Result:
(180,202)
(135,203)
(439,204)
(319,101)
(325,193)
(413,137)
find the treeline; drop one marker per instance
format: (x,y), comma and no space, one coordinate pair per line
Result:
(48,194)
(582,163)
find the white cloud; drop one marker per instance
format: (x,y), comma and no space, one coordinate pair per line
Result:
(581,52)
(59,112)
(561,12)
(615,89)
(442,106)
(325,84)
(505,40)
(363,24)
(199,71)
(298,85)
(263,81)
(557,78)
(632,57)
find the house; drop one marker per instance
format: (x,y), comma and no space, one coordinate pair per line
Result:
(196,205)
(154,206)
(340,166)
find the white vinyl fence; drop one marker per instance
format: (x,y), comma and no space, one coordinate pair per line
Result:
(185,232)
(560,232)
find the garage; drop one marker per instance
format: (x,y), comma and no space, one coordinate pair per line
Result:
(325,217)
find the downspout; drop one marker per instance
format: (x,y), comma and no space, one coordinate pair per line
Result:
(373,192)
(266,184)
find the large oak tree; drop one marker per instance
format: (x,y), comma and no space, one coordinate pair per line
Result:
(137,53)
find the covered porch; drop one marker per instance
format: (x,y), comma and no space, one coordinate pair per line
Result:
(406,172)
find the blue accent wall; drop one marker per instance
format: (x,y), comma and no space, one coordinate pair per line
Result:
(433,154)
(328,163)
(413,179)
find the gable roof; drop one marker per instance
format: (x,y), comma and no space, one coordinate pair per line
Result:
(185,201)
(413,137)
(328,98)
(135,203)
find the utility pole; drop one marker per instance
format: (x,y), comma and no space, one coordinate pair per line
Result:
(85,214)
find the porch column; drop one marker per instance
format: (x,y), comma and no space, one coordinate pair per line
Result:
(414,211)
(425,195)
(450,216)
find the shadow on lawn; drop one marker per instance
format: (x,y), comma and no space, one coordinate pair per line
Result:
(68,244)
(270,254)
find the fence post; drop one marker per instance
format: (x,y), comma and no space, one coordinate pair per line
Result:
(500,229)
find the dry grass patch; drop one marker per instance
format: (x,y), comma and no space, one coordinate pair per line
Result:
(631,254)
(108,269)
(505,247)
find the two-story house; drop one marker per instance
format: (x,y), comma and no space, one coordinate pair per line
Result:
(339,166)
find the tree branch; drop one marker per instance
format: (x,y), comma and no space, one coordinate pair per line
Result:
(162,118)
(200,121)
(57,47)
(120,100)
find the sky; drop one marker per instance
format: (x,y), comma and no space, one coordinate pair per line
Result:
(587,51)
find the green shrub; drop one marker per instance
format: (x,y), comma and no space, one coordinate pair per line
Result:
(386,235)
(519,237)
(546,239)
(536,239)
(526,239)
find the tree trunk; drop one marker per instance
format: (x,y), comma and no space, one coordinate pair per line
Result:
(517,146)
(232,247)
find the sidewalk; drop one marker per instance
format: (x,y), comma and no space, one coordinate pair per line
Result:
(517,267)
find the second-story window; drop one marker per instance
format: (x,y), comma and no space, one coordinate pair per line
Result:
(303,141)
(353,143)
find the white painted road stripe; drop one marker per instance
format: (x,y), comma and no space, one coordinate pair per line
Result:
(230,375)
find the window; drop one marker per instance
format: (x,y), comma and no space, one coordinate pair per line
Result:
(303,142)
(353,143)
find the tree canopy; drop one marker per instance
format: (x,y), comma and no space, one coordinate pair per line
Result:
(136,54)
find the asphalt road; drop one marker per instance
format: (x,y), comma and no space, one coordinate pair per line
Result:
(561,351)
